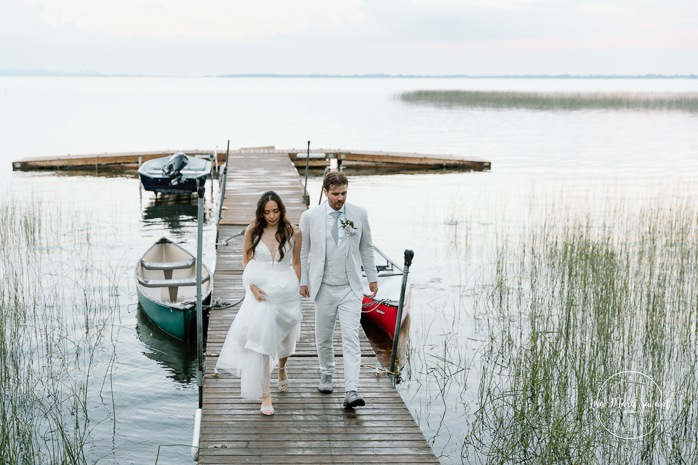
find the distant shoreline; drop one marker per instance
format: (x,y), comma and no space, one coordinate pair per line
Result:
(42,73)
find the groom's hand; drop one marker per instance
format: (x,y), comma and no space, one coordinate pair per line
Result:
(304,291)
(374,288)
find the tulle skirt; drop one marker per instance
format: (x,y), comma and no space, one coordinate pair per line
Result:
(262,332)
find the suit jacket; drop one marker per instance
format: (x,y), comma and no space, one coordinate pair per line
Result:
(359,248)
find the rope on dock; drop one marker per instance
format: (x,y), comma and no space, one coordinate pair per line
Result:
(218,305)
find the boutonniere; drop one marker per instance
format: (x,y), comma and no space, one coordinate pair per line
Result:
(348,226)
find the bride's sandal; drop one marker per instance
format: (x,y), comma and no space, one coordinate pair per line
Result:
(282,384)
(267,410)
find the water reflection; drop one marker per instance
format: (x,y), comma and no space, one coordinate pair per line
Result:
(173,212)
(383,345)
(178,360)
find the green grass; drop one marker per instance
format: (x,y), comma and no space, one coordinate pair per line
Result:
(687,102)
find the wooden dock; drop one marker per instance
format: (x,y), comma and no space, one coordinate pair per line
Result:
(307,426)
(318,159)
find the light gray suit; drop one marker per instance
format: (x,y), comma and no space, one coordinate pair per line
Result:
(341,301)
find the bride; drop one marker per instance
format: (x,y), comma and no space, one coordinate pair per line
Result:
(267,327)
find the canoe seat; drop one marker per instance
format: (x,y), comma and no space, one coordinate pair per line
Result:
(180,265)
(170,282)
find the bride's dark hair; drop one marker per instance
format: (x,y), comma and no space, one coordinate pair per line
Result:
(284,231)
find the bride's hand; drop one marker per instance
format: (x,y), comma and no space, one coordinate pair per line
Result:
(258,293)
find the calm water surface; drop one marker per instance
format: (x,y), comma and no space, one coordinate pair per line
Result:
(540,160)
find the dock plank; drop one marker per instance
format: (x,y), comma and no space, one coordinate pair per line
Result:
(307,427)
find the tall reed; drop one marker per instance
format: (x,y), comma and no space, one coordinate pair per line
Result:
(54,321)
(583,307)
(553,100)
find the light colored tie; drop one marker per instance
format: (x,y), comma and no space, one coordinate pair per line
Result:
(335,232)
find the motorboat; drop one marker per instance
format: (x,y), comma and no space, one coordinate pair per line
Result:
(176,174)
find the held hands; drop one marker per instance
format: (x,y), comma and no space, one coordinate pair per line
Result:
(258,293)
(304,291)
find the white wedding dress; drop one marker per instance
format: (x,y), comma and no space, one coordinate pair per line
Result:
(263,332)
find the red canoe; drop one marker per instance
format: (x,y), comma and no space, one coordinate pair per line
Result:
(382,310)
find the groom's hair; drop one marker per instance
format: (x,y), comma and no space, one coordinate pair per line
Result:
(334,178)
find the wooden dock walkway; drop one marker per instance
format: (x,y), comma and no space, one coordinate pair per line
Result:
(307,426)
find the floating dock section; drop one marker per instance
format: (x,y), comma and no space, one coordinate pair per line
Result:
(317,159)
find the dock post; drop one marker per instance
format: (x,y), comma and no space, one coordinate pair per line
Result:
(306,196)
(409,255)
(319,200)
(199,307)
(222,181)
(199,322)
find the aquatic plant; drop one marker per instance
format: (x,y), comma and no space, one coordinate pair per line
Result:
(591,354)
(54,320)
(553,100)
(569,337)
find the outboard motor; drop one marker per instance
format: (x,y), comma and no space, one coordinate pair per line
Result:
(174,166)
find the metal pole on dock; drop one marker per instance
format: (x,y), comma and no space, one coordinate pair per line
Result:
(306,196)
(199,306)
(322,189)
(199,322)
(409,255)
(222,181)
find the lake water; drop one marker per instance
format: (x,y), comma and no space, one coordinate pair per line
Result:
(541,160)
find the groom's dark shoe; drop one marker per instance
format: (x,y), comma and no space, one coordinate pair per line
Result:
(353,399)
(325,385)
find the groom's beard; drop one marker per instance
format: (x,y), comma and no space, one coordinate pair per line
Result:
(337,204)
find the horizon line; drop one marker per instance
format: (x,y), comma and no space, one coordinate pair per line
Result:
(39,72)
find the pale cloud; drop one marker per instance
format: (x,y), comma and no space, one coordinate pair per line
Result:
(246,21)
(224,20)
(351,36)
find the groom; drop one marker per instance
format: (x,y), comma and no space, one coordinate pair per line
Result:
(336,243)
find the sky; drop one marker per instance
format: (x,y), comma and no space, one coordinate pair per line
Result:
(350,37)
